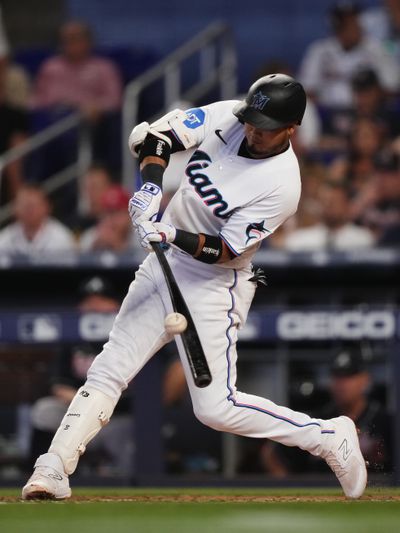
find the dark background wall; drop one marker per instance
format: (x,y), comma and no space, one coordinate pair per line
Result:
(264,30)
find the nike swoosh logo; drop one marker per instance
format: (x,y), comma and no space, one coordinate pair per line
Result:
(55,476)
(218,134)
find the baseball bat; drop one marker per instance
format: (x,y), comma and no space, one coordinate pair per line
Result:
(190,338)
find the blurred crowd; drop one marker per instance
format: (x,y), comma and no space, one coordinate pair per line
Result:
(348,144)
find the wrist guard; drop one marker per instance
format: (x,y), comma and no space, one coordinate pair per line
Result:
(205,248)
(155,147)
(153,173)
(209,249)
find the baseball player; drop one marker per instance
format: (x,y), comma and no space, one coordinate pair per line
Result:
(240,184)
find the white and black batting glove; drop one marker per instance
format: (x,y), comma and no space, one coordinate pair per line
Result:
(145,203)
(155,232)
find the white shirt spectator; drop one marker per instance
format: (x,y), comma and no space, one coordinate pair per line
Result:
(327,69)
(376,22)
(319,237)
(52,237)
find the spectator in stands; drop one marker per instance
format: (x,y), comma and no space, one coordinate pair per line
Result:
(34,231)
(330,63)
(13,132)
(349,387)
(334,231)
(369,101)
(383,23)
(114,230)
(378,205)
(94,183)
(77,78)
(357,166)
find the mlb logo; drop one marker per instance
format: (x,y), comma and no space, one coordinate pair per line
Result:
(259,101)
(39,328)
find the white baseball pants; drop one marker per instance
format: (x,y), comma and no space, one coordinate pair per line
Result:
(218,299)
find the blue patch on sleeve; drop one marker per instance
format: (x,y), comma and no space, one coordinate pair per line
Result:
(196,117)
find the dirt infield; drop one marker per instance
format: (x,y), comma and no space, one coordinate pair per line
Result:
(193,498)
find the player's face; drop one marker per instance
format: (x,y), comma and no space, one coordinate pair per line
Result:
(262,143)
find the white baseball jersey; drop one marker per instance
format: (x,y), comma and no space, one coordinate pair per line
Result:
(222,193)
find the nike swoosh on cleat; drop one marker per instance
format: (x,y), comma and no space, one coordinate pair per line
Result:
(218,134)
(55,476)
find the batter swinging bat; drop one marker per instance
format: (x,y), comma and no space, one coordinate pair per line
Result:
(190,338)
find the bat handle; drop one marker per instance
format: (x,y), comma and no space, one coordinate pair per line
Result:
(203,380)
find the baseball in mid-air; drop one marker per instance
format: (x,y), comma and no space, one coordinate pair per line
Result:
(175,323)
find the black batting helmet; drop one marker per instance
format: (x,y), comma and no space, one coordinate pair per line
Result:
(274,101)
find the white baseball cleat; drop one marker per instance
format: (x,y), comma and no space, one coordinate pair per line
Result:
(48,481)
(345,458)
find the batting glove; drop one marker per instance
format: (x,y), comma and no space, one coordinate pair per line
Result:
(155,232)
(145,203)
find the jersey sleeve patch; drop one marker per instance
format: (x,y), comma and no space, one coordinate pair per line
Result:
(256,230)
(195,118)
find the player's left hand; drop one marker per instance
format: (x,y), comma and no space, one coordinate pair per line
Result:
(155,232)
(145,203)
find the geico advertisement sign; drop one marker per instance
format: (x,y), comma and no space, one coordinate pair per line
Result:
(341,325)
(95,326)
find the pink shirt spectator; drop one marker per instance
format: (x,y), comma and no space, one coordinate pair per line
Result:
(93,82)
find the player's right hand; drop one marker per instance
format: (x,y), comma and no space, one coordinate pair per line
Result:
(145,204)
(155,232)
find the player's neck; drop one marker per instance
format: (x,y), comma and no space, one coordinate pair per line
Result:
(244,150)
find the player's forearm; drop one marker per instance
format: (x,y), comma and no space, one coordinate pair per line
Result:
(154,156)
(152,170)
(206,248)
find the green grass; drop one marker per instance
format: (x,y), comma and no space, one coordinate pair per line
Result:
(378,513)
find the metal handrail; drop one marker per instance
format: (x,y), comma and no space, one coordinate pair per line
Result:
(41,138)
(74,120)
(206,43)
(216,37)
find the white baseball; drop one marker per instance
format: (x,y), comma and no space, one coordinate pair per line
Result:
(175,323)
